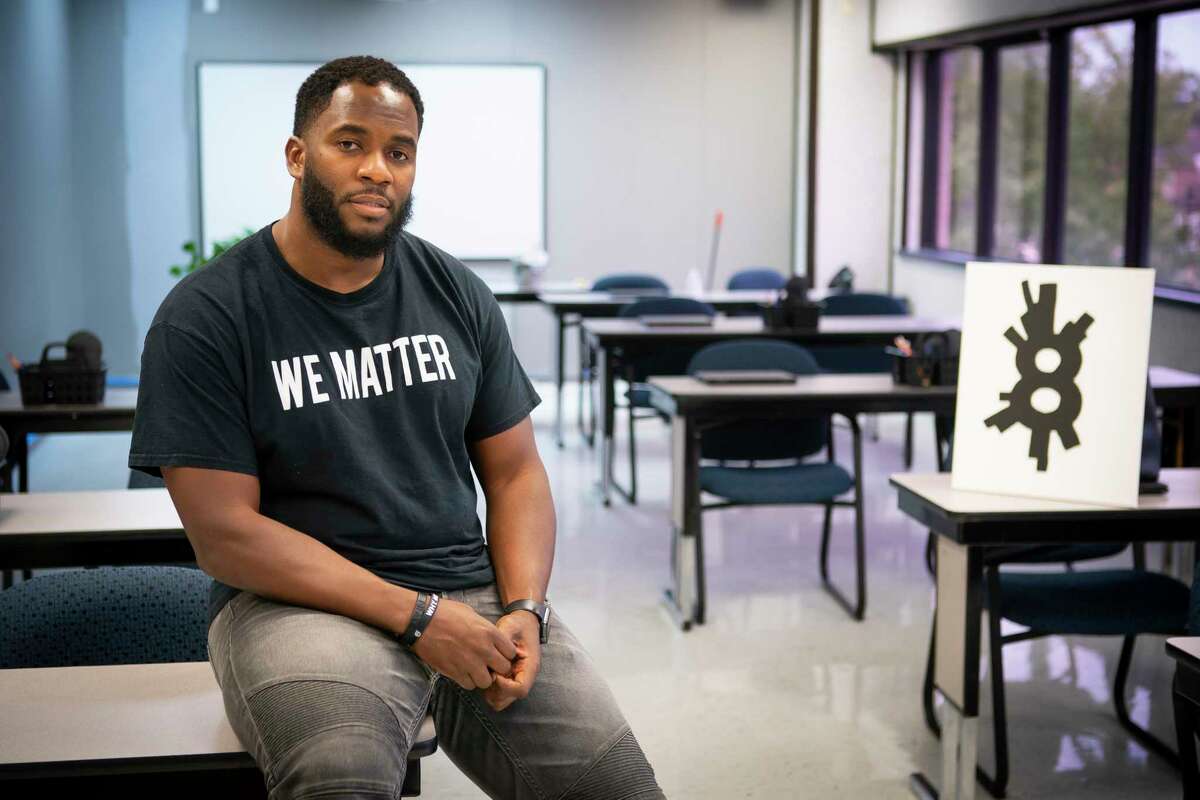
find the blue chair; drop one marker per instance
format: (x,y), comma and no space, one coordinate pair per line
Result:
(110,615)
(793,441)
(761,278)
(624,283)
(665,360)
(1107,602)
(127,615)
(859,359)
(630,281)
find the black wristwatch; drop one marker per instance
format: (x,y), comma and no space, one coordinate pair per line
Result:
(539,610)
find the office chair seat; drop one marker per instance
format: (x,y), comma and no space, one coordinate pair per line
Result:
(799,483)
(1096,603)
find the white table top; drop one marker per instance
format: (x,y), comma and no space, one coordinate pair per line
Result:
(116,511)
(71,714)
(827,384)
(116,400)
(1183,495)
(622,298)
(754,325)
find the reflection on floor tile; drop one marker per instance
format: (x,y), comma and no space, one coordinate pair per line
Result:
(781,695)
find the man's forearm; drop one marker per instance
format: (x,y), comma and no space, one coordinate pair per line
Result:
(521,533)
(249,551)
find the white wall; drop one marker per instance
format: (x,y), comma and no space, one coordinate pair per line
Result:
(854,148)
(908,20)
(659,113)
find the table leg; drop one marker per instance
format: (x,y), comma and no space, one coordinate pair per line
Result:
(956,667)
(604,364)
(560,357)
(18,458)
(685,597)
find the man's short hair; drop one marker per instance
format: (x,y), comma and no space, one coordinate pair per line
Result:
(318,88)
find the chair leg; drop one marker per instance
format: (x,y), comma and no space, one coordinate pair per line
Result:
(1143,736)
(997,784)
(632,459)
(858,608)
(825,530)
(701,584)
(931,720)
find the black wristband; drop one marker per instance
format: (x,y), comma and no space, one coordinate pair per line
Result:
(423,612)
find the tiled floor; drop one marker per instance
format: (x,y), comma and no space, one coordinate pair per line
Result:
(781,695)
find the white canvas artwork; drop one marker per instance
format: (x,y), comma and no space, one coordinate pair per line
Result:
(1052,381)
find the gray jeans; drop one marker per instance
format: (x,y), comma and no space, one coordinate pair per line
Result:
(329,706)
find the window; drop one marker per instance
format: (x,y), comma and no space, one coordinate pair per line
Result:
(1070,142)
(1098,152)
(1175,203)
(1021,153)
(958,150)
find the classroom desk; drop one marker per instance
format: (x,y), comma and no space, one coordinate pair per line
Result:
(969,522)
(105,721)
(1186,701)
(694,405)
(85,529)
(18,421)
(1178,395)
(614,339)
(509,291)
(570,309)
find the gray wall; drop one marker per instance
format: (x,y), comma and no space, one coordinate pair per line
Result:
(660,113)
(899,21)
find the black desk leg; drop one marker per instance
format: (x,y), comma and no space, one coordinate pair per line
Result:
(558,377)
(1186,718)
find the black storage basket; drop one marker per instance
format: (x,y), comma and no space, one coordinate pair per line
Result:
(61,382)
(924,370)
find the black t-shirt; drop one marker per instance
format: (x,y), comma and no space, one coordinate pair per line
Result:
(353,410)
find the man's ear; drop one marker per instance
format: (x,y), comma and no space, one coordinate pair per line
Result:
(293,153)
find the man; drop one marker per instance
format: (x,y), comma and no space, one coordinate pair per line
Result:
(316,399)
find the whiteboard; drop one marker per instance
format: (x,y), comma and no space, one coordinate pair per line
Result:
(481,160)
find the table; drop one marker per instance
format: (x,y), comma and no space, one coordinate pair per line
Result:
(570,308)
(18,421)
(615,339)
(509,291)
(115,720)
(694,405)
(1186,699)
(84,529)
(967,523)
(1178,394)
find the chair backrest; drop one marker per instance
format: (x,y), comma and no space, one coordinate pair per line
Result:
(858,358)
(863,304)
(110,615)
(140,480)
(756,278)
(666,359)
(630,280)
(761,441)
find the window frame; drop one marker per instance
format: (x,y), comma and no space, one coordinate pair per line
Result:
(1140,169)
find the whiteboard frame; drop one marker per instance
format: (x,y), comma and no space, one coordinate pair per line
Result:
(545,222)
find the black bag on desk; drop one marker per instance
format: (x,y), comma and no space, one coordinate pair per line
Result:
(934,360)
(76,379)
(793,311)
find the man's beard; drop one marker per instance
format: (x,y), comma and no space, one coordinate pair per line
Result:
(320,207)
